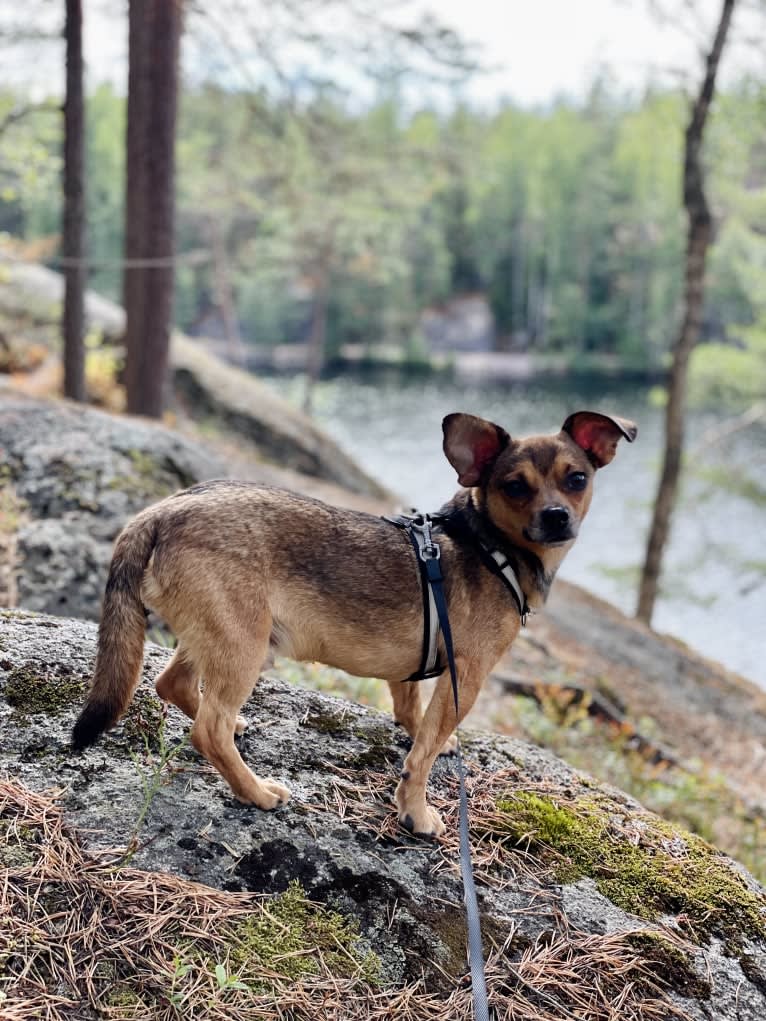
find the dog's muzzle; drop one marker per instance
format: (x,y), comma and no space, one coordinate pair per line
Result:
(554,525)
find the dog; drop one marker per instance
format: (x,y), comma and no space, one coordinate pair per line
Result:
(240,572)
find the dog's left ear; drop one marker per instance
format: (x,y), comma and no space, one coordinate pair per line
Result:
(472,445)
(598,435)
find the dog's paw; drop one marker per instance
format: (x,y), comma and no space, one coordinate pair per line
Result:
(241,724)
(426,823)
(276,793)
(266,794)
(450,746)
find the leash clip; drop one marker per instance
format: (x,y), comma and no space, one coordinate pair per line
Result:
(429,550)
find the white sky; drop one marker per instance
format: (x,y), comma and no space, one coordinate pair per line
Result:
(545,47)
(537,49)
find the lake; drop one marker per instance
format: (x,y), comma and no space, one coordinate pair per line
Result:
(714,587)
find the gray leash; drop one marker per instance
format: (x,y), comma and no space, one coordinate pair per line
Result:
(430,555)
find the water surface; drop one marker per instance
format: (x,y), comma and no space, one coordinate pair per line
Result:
(715,583)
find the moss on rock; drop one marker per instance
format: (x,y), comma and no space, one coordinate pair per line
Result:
(642,864)
(32,691)
(144,720)
(19,845)
(670,964)
(290,935)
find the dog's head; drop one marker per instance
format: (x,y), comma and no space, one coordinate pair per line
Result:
(535,490)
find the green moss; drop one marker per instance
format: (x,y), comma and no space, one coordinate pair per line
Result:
(31,692)
(642,864)
(19,614)
(18,846)
(670,964)
(123,996)
(147,478)
(290,934)
(325,722)
(377,736)
(376,758)
(143,720)
(11,508)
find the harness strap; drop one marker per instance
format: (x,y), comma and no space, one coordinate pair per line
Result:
(494,560)
(475,950)
(508,575)
(429,666)
(418,529)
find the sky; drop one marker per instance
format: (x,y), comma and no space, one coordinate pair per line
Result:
(536,50)
(544,48)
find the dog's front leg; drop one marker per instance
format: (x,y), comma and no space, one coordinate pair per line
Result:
(438,723)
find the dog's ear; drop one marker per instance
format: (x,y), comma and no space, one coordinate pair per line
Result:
(598,435)
(472,445)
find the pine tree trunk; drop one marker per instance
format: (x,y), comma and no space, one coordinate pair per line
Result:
(73,228)
(154,38)
(224,293)
(317,335)
(700,221)
(135,187)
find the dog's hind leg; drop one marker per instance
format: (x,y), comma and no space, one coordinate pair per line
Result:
(230,667)
(179,683)
(408,711)
(437,726)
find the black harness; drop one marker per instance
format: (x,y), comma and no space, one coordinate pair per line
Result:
(419,529)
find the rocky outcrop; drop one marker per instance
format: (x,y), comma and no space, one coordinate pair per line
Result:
(73,476)
(587,900)
(77,475)
(207,389)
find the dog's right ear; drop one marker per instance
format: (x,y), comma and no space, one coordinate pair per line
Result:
(472,445)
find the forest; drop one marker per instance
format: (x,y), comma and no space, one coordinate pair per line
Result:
(569,219)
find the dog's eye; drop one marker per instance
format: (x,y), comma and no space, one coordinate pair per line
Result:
(516,488)
(576,481)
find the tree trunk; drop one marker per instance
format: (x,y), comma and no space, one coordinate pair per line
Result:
(73,228)
(154,38)
(224,293)
(698,212)
(316,345)
(135,188)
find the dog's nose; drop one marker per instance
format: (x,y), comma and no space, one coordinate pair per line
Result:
(554,519)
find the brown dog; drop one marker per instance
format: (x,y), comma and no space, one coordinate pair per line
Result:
(239,571)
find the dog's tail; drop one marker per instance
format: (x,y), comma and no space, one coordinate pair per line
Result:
(120,634)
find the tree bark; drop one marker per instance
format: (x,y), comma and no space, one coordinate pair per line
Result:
(135,188)
(700,222)
(154,40)
(73,227)
(316,344)
(224,293)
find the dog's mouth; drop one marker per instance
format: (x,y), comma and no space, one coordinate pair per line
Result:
(549,538)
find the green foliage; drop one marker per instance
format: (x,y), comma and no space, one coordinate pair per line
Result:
(363,690)
(728,375)
(569,218)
